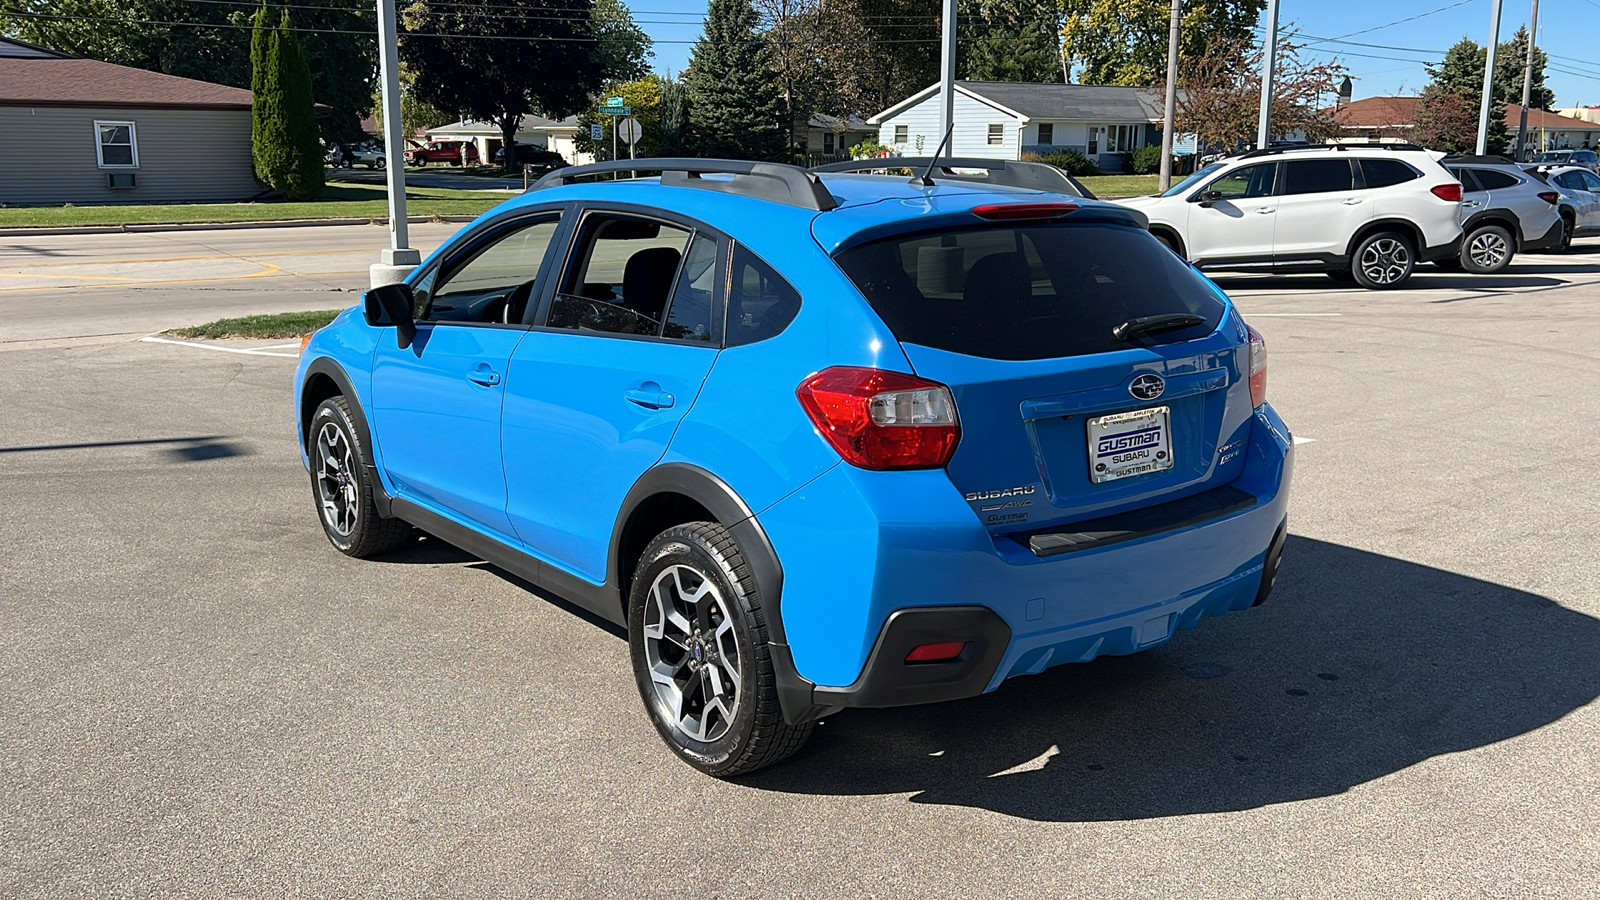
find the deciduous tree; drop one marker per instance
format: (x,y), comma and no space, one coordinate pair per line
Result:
(1125,41)
(1446,121)
(1460,74)
(1221,99)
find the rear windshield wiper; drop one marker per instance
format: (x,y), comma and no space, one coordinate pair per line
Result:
(1155,325)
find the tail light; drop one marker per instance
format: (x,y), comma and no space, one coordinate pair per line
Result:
(1450,192)
(1549,197)
(882,420)
(1258,368)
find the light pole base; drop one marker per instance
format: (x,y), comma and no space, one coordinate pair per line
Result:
(393,266)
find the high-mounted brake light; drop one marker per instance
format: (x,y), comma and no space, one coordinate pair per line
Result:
(1448,192)
(877,419)
(1258,368)
(1000,211)
(1549,197)
(940,652)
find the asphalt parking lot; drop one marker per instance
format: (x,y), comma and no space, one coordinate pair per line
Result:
(199,697)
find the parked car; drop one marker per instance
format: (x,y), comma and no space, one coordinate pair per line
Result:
(350,155)
(1363,213)
(815,440)
(444,152)
(1579,203)
(1587,159)
(529,154)
(1504,210)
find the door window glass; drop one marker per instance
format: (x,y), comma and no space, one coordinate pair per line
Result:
(1570,181)
(1245,182)
(1317,176)
(621,277)
(1469,184)
(492,284)
(1492,180)
(1591,181)
(1386,172)
(693,314)
(760,302)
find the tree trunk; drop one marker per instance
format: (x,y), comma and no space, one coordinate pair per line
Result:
(508,134)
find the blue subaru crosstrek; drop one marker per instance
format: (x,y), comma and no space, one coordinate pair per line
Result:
(818,439)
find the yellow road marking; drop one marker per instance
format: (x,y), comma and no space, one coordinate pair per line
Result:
(157,259)
(266,270)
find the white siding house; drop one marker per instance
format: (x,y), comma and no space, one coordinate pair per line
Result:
(556,136)
(1003,120)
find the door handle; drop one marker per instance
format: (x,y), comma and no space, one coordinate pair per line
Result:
(484,375)
(1266,210)
(650,396)
(1472,203)
(1353,201)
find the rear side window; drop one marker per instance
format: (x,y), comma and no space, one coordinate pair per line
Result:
(1386,172)
(1469,182)
(1317,176)
(760,302)
(1494,180)
(1034,291)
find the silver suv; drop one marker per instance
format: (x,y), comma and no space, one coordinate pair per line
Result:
(1363,213)
(1503,210)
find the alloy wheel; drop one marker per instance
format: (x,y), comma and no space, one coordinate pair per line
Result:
(1385,261)
(336,480)
(692,653)
(1488,249)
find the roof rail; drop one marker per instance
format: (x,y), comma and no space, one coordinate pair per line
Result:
(778,182)
(1005,172)
(1294,148)
(1469,159)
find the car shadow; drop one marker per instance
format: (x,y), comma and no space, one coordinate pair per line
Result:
(1359,666)
(1423,280)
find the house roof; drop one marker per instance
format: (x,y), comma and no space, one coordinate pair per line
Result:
(1401,112)
(37,76)
(489,129)
(1033,100)
(1539,118)
(836,123)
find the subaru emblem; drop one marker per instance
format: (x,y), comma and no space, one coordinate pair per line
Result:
(1147,387)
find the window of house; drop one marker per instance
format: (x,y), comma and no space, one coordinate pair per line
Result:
(997,134)
(116,145)
(1047,133)
(1121,138)
(900,134)
(827,142)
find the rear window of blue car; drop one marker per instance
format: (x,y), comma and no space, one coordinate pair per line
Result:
(1029,291)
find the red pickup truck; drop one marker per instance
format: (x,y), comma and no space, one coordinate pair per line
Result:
(445,152)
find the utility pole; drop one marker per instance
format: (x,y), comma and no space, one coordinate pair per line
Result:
(1488,79)
(395,263)
(1172,96)
(1269,62)
(947,78)
(1527,83)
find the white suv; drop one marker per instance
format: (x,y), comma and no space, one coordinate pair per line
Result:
(1363,212)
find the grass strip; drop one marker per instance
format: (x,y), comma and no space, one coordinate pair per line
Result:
(278,325)
(1105,186)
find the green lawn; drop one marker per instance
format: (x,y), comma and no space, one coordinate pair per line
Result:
(339,200)
(281,325)
(1121,185)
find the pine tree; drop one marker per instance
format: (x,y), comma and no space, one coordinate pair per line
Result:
(270,138)
(1510,61)
(302,176)
(260,102)
(674,118)
(735,103)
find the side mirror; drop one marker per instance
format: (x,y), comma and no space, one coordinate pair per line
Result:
(390,304)
(1206,198)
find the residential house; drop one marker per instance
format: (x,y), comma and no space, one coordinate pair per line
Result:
(81,131)
(550,134)
(1004,120)
(829,138)
(1393,119)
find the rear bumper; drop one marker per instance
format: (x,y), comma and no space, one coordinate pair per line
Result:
(876,563)
(1437,252)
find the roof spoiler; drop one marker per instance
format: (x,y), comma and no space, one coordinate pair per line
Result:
(778,182)
(1032,176)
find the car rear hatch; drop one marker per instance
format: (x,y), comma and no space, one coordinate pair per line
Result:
(1093,371)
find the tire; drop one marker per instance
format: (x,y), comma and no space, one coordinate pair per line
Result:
(1167,243)
(1342,276)
(346,164)
(696,628)
(1567,225)
(341,488)
(1383,261)
(1487,250)
(380,164)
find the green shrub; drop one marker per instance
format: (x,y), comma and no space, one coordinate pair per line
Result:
(1071,161)
(1145,160)
(870,149)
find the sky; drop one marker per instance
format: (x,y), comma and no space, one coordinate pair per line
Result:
(1569,30)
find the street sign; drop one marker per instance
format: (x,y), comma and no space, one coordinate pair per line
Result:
(597,132)
(629,130)
(617,110)
(613,101)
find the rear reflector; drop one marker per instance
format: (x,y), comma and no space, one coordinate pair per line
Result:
(1549,197)
(878,419)
(1450,192)
(994,211)
(940,652)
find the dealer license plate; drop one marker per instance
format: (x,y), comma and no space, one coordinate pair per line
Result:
(1130,443)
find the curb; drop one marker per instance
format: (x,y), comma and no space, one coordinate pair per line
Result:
(223,226)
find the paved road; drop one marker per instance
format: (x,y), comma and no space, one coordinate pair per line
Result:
(198,697)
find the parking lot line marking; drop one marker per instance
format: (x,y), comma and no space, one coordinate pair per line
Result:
(1304,440)
(1292,315)
(252,352)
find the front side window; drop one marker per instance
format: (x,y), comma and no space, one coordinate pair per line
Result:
(493,283)
(997,133)
(620,277)
(1245,182)
(1317,176)
(116,145)
(1591,181)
